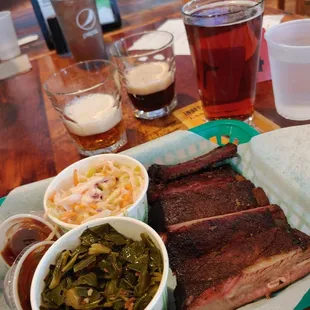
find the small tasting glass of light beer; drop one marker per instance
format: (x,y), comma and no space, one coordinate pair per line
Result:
(224,39)
(87,97)
(147,66)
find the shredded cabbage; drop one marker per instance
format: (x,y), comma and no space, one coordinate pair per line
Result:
(107,189)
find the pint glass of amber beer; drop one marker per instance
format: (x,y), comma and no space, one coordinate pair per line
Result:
(224,38)
(87,97)
(147,64)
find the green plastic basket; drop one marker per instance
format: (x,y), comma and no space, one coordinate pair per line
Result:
(224,131)
(2,200)
(304,304)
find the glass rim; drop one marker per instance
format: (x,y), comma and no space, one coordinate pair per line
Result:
(268,34)
(4,14)
(78,91)
(217,15)
(141,34)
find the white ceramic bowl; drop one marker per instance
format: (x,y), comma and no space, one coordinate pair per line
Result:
(129,227)
(64,180)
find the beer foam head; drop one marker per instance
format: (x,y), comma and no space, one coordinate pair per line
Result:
(92,114)
(149,78)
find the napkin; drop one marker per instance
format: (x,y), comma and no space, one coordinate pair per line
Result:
(12,67)
(177,28)
(271,20)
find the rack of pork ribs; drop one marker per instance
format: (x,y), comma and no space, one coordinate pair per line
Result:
(227,245)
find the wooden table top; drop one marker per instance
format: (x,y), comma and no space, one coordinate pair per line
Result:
(34,143)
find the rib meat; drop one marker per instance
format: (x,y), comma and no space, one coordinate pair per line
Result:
(202,201)
(243,270)
(166,173)
(199,237)
(226,244)
(223,173)
(260,196)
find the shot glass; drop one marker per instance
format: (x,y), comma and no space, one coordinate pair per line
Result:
(87,97)
(289,55)
(224,39)
(9,47)
(147,65)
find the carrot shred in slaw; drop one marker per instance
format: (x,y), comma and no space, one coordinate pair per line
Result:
(107,189)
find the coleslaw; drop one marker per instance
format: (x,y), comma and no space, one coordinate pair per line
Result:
(107,189)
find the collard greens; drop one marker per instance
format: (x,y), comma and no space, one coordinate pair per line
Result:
(107,271)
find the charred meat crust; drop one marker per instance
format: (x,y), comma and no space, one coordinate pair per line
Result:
(199,237)
(201,202)
(228,262)
(223,173)
(260,196)
(166,173)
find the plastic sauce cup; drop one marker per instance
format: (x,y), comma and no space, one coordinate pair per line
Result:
(17,227)
(15,298)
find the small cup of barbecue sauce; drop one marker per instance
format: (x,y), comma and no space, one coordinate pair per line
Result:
(19,231)
(17,282)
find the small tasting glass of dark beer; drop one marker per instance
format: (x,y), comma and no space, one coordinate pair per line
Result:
(87,97)
(224,39)
(147,65)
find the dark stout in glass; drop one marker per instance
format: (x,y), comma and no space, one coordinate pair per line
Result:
(150,86)
(153,101)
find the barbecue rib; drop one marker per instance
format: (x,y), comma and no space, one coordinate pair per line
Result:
(243,270)
(199,237)
(226,244)
(223,173)
(202,201)
(161,173)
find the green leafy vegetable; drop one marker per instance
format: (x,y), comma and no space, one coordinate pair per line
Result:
(84,263)
(98,248)
(57,273)
(70,264)
(107,271)
(89,279)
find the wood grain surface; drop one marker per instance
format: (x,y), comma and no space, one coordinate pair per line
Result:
(34,144)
